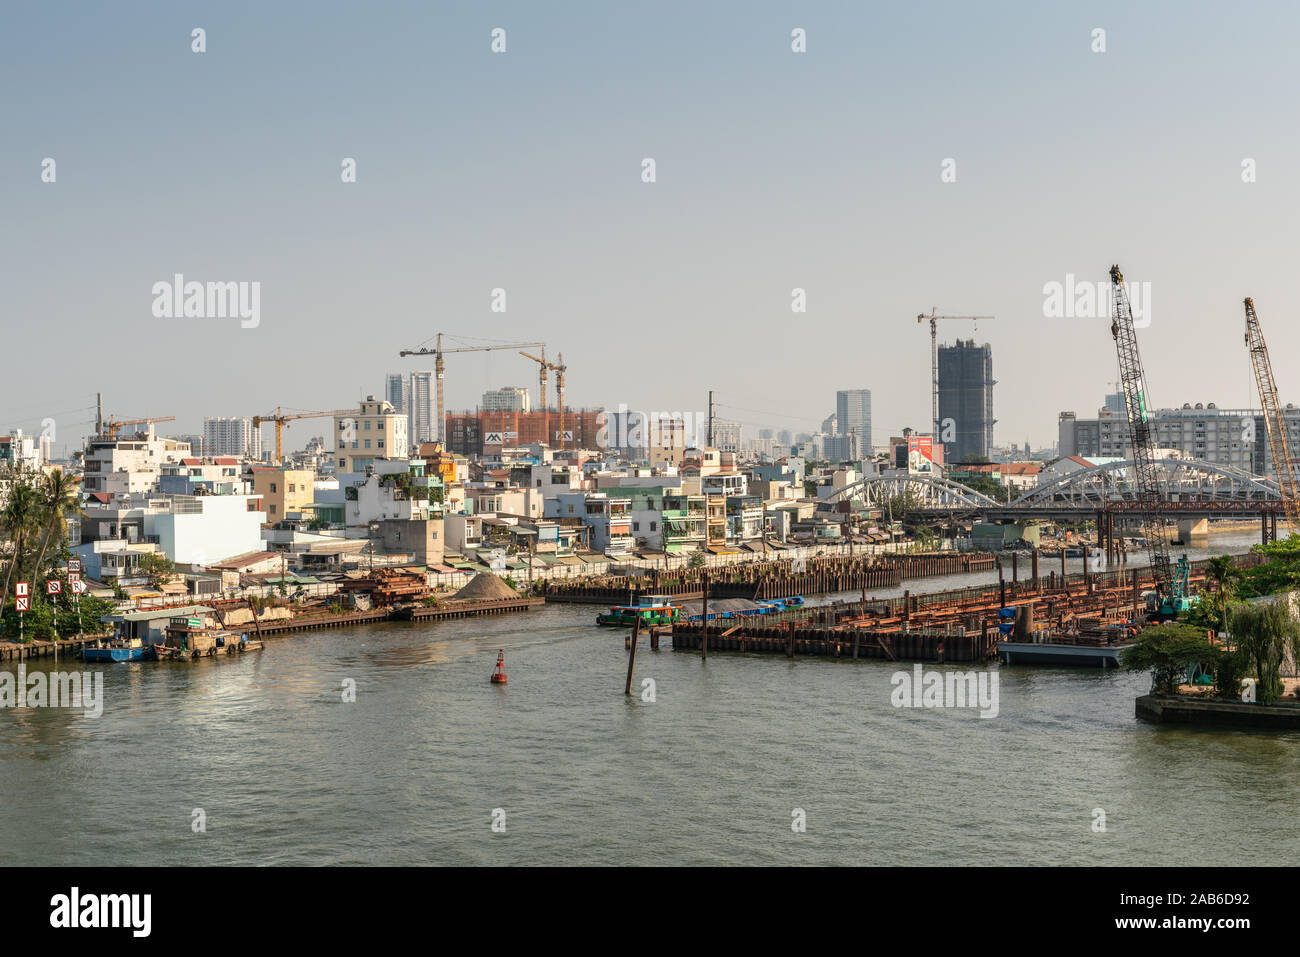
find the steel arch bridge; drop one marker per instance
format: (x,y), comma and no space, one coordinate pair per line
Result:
(1182,482)
(930,493)
(1185,484)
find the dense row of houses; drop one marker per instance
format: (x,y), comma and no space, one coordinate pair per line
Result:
(366,494)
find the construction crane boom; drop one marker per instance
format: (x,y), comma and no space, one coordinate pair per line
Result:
(542,368)
(112,425)
(558,368)
(1137,404)
(281,422)
(1279,446)
(934,364)
(439,369)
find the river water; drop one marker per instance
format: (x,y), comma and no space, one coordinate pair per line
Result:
(709,772)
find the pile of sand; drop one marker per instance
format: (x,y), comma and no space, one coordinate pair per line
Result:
(485,586)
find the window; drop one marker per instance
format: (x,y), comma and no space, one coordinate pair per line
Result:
(272,488)
(381,443)
(636,526)
(367,443)
(366,425)
(272,509)
(652,526)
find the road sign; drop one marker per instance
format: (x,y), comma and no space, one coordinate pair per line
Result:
(74,565)
(20,589)
(78,587)
(53,587)
(74,576)
(21,603)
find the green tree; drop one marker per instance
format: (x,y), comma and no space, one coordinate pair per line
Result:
(1169,652)
(1265,632)
(158,567)
(19,523)
(1223,571)
(60,499)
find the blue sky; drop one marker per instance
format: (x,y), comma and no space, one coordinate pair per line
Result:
(521,171)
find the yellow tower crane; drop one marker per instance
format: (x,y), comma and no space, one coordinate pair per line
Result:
(438,368)
(558,368)
(282,422)
(112,426)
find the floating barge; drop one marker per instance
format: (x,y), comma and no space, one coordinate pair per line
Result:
(1071,619)
(918,645)
(1055,654)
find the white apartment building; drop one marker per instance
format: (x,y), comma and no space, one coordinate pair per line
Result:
(24,451)
(1235,437)
(188,529)
(389,496)
(231,435)
(127,465)
(424,409)
(508,398)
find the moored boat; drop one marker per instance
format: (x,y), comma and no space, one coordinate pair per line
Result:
(188,639)
(649,610)
(114,649)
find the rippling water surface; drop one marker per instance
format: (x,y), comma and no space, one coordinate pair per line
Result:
(709,773)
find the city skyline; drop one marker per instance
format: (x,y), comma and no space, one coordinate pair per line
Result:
(584,250)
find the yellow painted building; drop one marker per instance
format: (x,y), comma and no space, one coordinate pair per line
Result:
(283,491)
(375,431)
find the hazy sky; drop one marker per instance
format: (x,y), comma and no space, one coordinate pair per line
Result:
(522,171)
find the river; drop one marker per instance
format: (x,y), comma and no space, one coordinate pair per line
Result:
(711,771)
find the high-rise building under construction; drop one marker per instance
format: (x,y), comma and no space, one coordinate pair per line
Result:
(966,401)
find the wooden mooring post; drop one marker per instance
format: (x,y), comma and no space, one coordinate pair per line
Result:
(704,620)
(631,658)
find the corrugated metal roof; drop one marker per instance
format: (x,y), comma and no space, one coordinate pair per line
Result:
(151,613)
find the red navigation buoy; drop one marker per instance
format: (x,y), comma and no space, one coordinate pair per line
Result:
(499,676)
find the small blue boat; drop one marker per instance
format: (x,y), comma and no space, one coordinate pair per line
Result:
(115,649)
(114,654)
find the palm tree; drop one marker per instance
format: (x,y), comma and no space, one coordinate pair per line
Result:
(19,522)
(60,500)
(1223,570)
